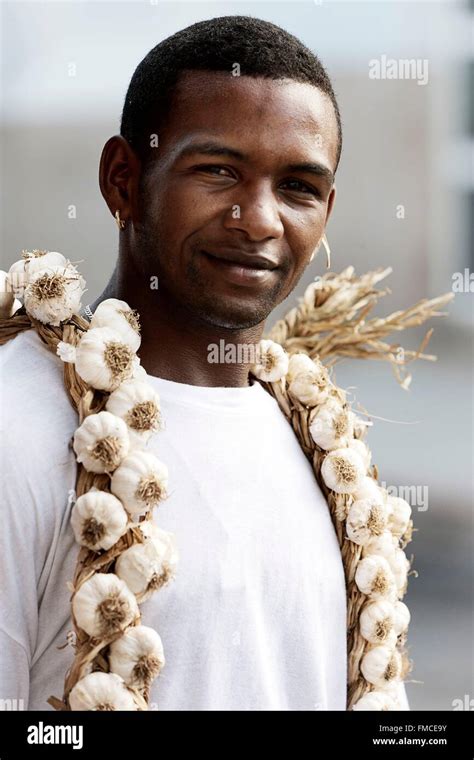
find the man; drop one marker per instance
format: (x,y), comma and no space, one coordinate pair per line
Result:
(223,180)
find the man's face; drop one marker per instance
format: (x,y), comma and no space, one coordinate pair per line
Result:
(238,195)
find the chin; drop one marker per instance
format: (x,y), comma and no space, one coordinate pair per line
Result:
(242,317)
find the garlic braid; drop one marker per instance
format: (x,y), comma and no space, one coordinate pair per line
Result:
(299,416)
(90,653)
(87,400)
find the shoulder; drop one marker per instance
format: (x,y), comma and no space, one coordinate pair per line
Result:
(37,422)
(25,357)
(32,388)
(268,406)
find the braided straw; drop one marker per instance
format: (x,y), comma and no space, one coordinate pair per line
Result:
(330,322)
(298,416)
(90,653)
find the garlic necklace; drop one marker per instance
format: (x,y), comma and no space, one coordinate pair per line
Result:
(109,443)
(125,557)
(374,522)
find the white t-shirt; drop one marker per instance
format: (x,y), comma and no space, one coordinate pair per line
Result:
(256,616)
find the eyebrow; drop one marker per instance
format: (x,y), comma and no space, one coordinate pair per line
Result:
(210,148)
(312,168)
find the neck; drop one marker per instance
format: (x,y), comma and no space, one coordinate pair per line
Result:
(175,343)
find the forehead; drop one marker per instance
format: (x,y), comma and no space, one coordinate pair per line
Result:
(265,117)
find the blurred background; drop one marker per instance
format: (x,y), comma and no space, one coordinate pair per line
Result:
(405,199)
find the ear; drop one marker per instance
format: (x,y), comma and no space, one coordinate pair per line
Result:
(331,200)
(119,172)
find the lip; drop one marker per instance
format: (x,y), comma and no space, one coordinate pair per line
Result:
(239,268)
(250,260)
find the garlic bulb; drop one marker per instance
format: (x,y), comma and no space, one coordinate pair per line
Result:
(137,656)
(383,544)
(103,360)
(36,260)
(32,261)
(308,390)
(299,363)
(374,577)
(98,520)
(376,700)
(368,488)
(148,529)
(308,380)
(366,518)
(53,294)
(140,482)
(104,605)
(121,318)
(272,361)
(148,566)
(400,566)
(381,666)
(331,425)
(377,624)
(401,617)
(138,404)
(101,442)
(400,515)
(342,470)
(101,691)
(139,372)
(360,448)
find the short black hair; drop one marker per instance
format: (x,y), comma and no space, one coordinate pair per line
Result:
(261,48)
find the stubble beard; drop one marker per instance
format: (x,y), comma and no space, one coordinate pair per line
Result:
(199,298)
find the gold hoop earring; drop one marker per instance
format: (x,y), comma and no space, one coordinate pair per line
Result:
(120,222)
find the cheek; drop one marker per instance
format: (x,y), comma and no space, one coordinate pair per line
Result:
(303,232)
(183,210)
(188,199)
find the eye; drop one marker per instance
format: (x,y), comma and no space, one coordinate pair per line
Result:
(296,186)
(214,169)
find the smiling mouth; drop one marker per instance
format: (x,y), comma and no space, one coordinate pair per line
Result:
(239,272)
(258,264)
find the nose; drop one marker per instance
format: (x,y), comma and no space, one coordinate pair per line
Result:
(255,211)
